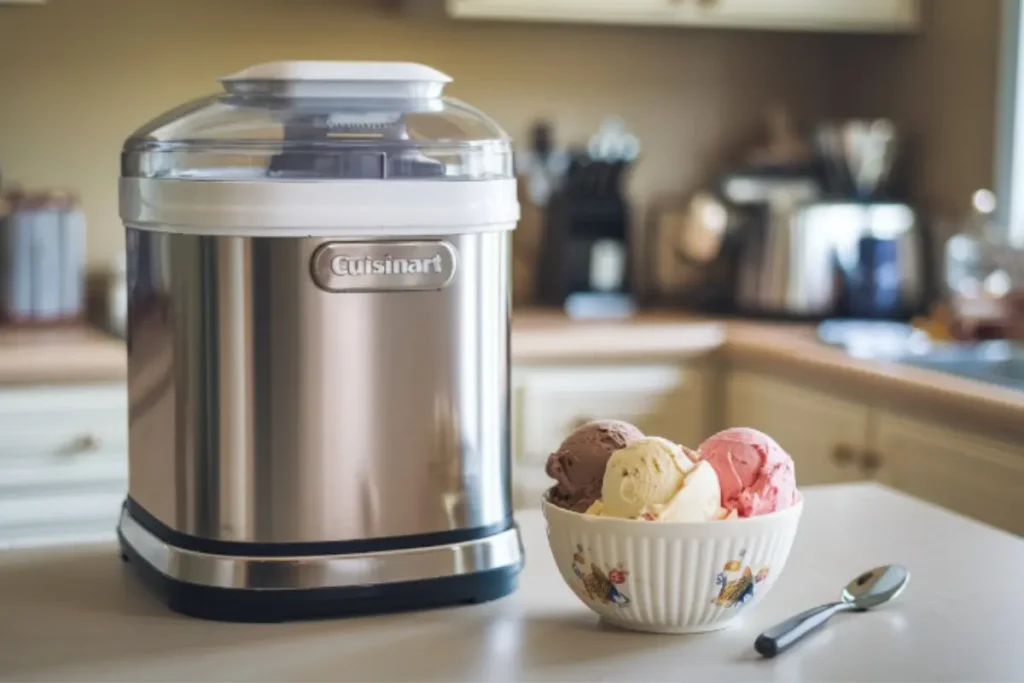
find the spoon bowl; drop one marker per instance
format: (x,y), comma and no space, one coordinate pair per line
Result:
(876,587)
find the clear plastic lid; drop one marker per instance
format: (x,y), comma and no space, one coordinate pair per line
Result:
(323,120)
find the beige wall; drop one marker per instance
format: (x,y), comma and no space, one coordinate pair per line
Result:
(77,76)
(941,89)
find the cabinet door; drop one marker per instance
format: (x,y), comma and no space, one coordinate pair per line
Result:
(881,16)
(575,11)
(551,401)
(971,474)
(63,462)
(55,423)
(812,15)
(825,434)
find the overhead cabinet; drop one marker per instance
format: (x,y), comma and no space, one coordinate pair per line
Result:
(850,16)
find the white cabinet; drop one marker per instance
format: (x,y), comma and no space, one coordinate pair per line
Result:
(570,11)
(826,435)
(63,462)
(548,402)
(974,475)
(879,16)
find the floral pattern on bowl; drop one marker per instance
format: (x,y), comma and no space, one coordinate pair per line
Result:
(596,585)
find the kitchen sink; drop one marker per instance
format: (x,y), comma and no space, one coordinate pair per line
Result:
(993,362)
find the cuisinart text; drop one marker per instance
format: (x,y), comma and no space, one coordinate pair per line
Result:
(383,266)
(389,265)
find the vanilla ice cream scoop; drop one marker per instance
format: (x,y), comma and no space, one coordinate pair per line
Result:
(655,479)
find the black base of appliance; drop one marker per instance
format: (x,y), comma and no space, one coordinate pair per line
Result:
(290,604)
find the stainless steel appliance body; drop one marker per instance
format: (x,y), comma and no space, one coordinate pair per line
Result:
(318,288)
(266,409)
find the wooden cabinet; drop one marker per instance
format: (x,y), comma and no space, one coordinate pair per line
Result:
(835,439)
(548,402)
(974,475)
(878,16)
(827,435)
(63,463)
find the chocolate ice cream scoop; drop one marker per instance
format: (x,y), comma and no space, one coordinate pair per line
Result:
(578,464)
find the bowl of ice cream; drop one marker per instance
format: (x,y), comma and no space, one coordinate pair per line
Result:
(665,539)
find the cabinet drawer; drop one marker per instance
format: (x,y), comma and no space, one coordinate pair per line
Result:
(549,403)
(814,427)
(972,474)
(59,511)
(106,471)
(63,421)
(71,532)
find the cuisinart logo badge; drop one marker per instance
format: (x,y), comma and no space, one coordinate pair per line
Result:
(383,266)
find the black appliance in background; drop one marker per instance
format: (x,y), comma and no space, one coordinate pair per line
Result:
(584,259)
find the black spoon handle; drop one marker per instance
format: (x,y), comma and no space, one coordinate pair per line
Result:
(783,635)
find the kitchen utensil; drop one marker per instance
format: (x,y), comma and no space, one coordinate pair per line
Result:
(46,258)
(972,255)
(318,315)
(42,258)
(870,589)
(674,275)
(584,264)
(542,165)
(829,149)
(613,142)
(857,156)
(701,228)
(72,256)
(16,231)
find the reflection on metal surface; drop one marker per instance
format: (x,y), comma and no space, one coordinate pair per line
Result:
(330,571)
(265,409)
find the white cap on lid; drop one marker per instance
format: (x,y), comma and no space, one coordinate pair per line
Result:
(340,79)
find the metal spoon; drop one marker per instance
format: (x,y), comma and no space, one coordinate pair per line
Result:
(870,589)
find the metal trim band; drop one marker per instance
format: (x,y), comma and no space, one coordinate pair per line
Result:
(328,571)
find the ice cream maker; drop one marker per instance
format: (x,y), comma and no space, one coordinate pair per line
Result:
(318,362)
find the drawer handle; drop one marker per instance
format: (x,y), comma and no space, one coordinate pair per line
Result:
(86,443)
(843,455)
(871,461)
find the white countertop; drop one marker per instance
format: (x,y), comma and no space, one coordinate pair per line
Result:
(75,614)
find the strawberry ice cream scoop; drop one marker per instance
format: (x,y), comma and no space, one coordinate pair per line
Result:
(755,475)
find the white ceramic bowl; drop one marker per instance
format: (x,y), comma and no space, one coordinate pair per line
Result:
(670,577)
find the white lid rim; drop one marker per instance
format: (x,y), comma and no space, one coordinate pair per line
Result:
(347,233)
(400,207)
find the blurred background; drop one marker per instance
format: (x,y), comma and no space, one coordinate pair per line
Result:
(845,170)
